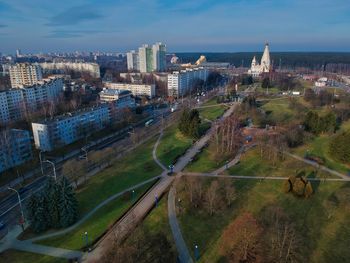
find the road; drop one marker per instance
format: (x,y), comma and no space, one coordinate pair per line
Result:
(9,211)
(140,209)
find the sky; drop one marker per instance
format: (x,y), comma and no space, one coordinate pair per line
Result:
(184,25)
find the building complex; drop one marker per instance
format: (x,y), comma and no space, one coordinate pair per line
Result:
(58,67)
(148,58)
(122,98)
(136,89)
(181,82)
(15,103)
(15,148)
(24,74)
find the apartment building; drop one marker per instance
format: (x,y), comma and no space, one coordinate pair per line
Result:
(58,67)
(136,89)
(132,59)
(14,103)
(181,82)
(24,74)
(68,128)
(15,148)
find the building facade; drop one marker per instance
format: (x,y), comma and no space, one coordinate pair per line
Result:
(15,103)
(146,58)
(68,128)
(136,89)
(15,148)
(24,74)
(121,98)
(264,67)
(159,57)
(133,62)
(181,82)
(92,68)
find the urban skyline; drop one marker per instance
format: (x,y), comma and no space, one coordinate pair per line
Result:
(205,25)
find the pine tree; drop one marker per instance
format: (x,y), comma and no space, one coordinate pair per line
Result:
(37,212)
(68,204)
(52,199)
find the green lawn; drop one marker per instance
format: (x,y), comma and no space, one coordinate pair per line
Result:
(204,162)
(212,113)
(279,110)
(172,145)
(319,146)
(137,166)
(16,256)
(98,223)
(251,164)
(324,228)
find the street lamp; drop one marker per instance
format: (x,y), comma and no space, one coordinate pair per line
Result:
(41,162)
(196,253)
(86,239)
(54,168)
(133,194)
(20,205)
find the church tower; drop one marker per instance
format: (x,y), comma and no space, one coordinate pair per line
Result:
(265,60)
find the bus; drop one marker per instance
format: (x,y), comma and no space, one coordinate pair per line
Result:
(149,122)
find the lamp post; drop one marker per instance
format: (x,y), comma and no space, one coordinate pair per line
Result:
(41,162)
(133,194)
(196,253)
(20,205)
(54,168)
(86,239)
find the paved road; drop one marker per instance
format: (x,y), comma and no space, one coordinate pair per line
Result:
(315,164)
(184,254)
(139,210)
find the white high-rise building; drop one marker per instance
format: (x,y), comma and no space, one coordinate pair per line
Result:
(264,67)
(133,60)
(181,82)
(24,74)
(159,59)
(146,58)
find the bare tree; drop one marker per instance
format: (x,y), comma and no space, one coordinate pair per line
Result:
(212,196)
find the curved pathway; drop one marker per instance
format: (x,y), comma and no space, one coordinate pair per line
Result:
(154,152)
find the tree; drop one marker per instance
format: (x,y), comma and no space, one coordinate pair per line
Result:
(340,147)
(230,191)
(189,123)
(212,196)
(265,83)
(68,204)
(190,183)
(52,196)
(308,190)
(240,240)
(38,213)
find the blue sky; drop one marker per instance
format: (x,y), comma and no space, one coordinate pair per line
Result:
(184,25)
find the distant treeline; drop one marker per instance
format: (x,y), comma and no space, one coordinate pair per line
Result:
(311,60)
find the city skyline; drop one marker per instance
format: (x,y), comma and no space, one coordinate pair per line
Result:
(205,25)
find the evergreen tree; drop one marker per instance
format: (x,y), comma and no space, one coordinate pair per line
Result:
(37,212)
(52,196)
(68,204)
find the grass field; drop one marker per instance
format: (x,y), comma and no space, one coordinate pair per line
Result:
(98,223)
(204,162)
(319,146)
(212,113)
(16,256)
(279,110)
(323,225)
(172,145)
(251,164)
(136,167)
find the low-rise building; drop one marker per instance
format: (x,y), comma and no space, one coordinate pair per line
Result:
(15,148)
(136,89)
(122,98)
(70,127)
(181,82)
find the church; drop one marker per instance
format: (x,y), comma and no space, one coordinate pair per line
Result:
(264,67)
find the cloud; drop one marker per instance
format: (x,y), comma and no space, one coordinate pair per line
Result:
(74,16)
(71,33)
